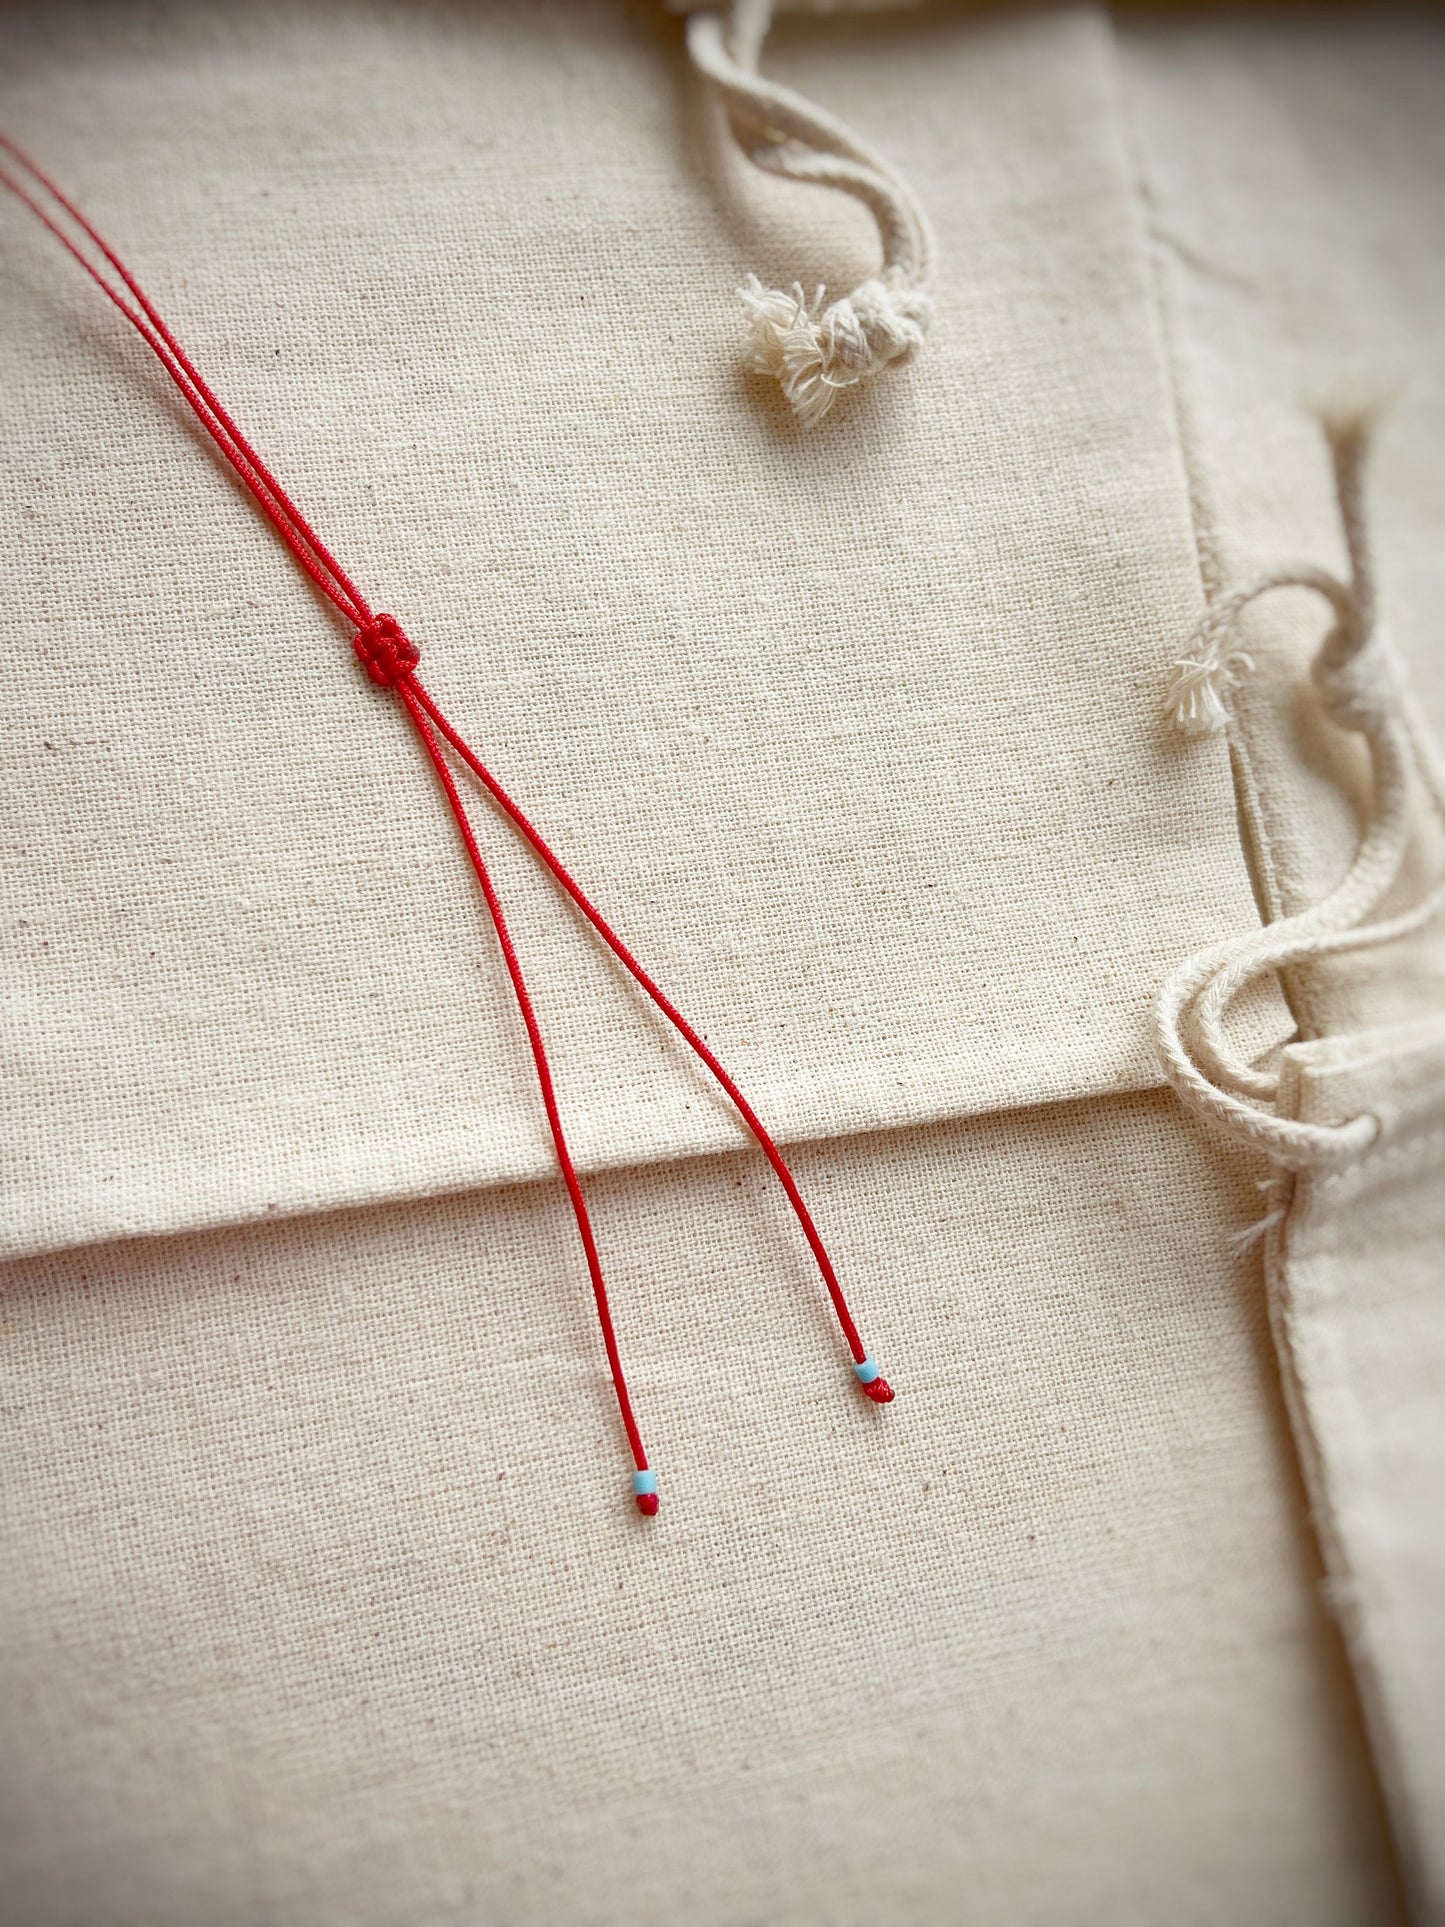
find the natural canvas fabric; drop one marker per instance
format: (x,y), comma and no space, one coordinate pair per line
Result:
(324,1602)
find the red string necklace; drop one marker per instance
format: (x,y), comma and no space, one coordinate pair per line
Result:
(390,658)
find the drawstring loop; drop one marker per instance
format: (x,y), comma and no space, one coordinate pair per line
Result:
(1363,688)
(816,349)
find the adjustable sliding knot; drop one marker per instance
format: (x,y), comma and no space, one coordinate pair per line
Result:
(387,652)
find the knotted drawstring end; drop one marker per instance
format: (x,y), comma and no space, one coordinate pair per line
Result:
(814,352)
(644,1492)
(872,1382)
(1195,700)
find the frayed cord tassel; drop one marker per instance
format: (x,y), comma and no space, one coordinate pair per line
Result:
(1195,703)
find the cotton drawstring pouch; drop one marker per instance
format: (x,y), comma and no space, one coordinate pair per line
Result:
(835,1631)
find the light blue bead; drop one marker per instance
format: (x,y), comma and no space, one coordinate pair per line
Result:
(867,1372)
(644,1482)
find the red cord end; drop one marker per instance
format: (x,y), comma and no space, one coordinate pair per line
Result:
(644,1490)
(872,1381)
(647,1502)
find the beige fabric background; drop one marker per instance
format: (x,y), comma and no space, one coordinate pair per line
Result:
(323,1600)
(326,1604)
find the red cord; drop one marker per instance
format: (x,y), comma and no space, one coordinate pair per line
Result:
(390,659)
(669,1010)
(408,694)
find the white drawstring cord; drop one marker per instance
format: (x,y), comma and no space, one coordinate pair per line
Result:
(816,349)
(1375,867)
(1363,687)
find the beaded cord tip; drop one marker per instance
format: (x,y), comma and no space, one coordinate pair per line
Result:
(644,1491)
(874,1384)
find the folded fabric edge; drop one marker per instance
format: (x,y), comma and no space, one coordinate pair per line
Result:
(352,1174)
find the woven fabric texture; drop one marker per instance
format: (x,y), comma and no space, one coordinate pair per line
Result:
(325,1604)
